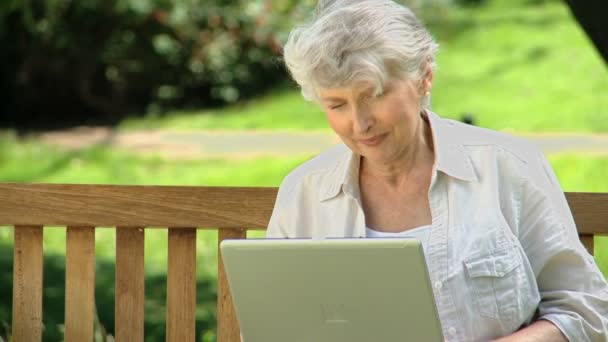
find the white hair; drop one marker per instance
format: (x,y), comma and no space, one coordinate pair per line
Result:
(349,41)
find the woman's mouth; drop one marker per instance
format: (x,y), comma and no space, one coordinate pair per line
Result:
(373,141)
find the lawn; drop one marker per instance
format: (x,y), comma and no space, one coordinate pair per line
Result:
(514,64)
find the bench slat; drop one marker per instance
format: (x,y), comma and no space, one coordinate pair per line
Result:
(590,212)
(85,205)
(80,284)
(129,302)
(188,206)
(27,284)
(227,325)
(181,285)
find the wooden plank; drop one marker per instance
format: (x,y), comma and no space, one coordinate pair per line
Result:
(227,324)
(587,241)
(129,303)
(27,284)
(80,284)
(181,285)
(148,206)
(590,211)
(173,206)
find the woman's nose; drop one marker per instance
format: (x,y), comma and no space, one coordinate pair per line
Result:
(363,120)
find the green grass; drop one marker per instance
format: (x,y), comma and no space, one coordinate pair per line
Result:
(283,108)
(31,161)
(581,172)
(515,66)
(526,68)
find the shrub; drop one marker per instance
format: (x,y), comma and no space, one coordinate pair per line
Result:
(92,61)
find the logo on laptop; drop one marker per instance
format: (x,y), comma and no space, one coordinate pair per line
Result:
(333,313)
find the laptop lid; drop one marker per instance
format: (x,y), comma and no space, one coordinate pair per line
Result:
(331,290)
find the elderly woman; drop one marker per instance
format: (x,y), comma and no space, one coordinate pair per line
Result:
(500,243)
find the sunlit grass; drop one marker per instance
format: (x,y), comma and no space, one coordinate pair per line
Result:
(30,161)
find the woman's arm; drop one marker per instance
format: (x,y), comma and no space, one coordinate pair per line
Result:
(539,331)
(574,294)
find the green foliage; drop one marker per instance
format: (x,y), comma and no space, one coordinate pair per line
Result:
(92,61)
(104,57)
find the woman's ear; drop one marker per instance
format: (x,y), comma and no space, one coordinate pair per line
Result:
(427,79)
(425,83)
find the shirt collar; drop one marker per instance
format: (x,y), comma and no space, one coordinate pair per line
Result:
(451,158)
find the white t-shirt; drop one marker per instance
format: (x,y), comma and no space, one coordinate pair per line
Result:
(420,233)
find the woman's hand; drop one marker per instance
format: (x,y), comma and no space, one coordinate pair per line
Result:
(539,331)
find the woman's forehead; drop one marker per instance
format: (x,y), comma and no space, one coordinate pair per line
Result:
(360,87)
(332,94)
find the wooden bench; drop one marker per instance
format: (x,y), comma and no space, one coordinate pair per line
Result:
(131,209)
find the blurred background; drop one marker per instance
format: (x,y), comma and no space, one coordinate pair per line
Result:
(193,92)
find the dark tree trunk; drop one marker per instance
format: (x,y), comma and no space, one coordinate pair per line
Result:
(593,17)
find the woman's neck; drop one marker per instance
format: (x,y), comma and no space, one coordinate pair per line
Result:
(412,163)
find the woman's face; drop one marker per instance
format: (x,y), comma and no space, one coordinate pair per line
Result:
(378,128)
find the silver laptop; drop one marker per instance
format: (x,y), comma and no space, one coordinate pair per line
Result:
(332,290)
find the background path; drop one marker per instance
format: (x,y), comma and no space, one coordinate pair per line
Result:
(236,144)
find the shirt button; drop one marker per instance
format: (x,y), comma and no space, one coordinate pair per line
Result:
(438,285)
(452,331)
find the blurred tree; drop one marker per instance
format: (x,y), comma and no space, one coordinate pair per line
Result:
(62,59)
(92,61)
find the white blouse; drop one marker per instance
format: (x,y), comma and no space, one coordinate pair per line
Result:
(502,250)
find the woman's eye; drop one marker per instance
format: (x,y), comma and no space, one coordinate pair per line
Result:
(384,92)
(336,106)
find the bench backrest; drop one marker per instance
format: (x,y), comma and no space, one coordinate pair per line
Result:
(131,210)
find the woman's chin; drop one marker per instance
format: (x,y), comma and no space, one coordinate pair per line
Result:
(376,156)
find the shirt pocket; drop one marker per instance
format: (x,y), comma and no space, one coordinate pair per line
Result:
(496,278)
